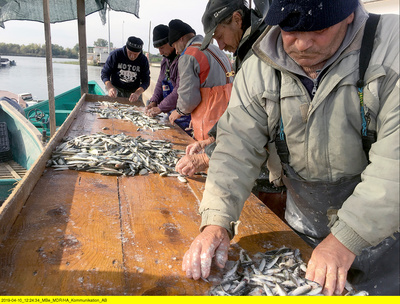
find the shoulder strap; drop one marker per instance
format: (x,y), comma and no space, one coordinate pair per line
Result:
(367,46)
(227,74)
(368,136)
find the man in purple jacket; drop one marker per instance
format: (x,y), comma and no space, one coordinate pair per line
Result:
(165,93)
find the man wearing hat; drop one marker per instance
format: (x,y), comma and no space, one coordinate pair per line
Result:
(126,72)
(165,93)
(337,133)
(205,79)
(235,27)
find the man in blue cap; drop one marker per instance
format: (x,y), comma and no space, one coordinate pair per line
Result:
(337,134)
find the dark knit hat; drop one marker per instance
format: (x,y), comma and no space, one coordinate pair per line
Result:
(134,44)
(160,35)
(216,12)
(309,15)
(178,29)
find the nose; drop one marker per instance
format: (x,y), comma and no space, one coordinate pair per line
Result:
(303,41)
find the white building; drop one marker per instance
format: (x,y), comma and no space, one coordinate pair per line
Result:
(97,54)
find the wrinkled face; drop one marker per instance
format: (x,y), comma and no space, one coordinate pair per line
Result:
(132,55)
(166,50)
(228,36)
(309,49)
(179,45)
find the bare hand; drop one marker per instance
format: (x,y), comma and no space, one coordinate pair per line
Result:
(153,111)
(112,92)
(213,241)
(134,97)
(190,164)
(329,264)
(151,105)
(174,116)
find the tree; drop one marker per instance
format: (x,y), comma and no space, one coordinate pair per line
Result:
(100,42)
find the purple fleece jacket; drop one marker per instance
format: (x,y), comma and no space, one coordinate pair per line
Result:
(168,103)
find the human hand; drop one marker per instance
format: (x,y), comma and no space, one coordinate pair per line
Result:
(194,148)
(212,242)
(174,116)
(153,111)
(150,105)
(329,264)
(190,164)
(112,92)
(134,97)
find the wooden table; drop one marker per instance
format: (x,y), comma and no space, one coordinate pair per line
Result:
(83,233)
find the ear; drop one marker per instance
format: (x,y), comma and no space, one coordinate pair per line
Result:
(237,19)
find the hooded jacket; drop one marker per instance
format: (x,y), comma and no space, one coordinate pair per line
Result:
(322,134)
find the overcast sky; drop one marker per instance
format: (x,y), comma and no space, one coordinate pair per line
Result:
(123,25)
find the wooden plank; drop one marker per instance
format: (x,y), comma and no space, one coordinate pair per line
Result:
(68,243)
(12,171)
(159,228)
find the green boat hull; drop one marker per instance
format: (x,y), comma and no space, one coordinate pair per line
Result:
(24,142)
(64,104)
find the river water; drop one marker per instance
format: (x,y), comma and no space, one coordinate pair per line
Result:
(30,76)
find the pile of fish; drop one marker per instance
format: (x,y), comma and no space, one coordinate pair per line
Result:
(280,272)
(115,155)
(108,110)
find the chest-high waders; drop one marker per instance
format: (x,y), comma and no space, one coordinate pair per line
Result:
(184,121)
(310,205)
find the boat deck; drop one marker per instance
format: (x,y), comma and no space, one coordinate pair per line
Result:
(11,169)
(81,233)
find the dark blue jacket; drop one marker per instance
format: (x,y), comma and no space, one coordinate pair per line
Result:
(124,73)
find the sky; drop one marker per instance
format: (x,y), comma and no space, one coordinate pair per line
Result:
(122,25)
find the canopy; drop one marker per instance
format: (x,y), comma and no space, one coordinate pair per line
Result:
(32,10)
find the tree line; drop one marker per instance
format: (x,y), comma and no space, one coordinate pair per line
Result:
(38,50)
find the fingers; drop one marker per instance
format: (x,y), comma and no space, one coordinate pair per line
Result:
(198,259)
(185,166)
(329,264)
(341,281)
(221,255)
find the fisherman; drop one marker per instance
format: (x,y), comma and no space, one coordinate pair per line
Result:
(165,93)
(302,88)
(205,79)
(126,72)
(235,29)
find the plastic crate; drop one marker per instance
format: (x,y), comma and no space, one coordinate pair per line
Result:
(5,150)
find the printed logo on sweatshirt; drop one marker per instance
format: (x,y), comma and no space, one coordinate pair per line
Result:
(128,73)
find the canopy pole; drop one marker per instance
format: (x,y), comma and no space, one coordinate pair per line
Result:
(80,5)
(49,65)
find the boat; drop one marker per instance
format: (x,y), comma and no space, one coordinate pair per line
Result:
(20,146)
(38,113)
(5,62)
(78,233)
